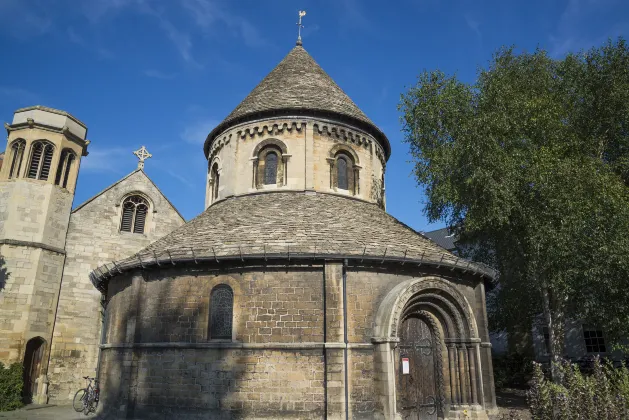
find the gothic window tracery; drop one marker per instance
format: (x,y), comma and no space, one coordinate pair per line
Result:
(134,211)
(65,166)
(17,155)
(221,312)
(41,160)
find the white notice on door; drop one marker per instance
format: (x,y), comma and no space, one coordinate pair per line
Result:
(405,367)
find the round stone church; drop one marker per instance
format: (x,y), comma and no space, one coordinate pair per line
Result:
(294,295)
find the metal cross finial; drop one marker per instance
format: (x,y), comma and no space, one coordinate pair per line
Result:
(302,13)
(142,155)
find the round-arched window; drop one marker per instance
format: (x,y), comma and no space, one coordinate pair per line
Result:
(270,168)
(342,175)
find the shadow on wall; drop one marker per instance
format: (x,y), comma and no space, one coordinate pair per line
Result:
(165,382)
(4,274)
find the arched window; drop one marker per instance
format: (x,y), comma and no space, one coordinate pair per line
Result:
(41,159)
(214,179)
(221,312)
(270,168)
(134,211)
(341,173)
(65,165)
(344,173)
(17,154)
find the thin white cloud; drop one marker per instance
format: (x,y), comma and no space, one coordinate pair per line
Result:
(181,178)
(197,131)
(104,160)
(156,74)
(474,26)
(19,96)
(74,37)
(23,19)
(207,12)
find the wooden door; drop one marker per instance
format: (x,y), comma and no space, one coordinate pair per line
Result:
(32,366)
(417,391)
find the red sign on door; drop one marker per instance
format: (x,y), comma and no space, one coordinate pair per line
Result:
(405,366)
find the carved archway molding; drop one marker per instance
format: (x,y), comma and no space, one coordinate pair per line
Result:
(435,299)
(393,305)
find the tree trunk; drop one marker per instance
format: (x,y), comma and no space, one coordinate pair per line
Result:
(554,319)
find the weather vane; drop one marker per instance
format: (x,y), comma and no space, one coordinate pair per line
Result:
(142,155)
(302,13)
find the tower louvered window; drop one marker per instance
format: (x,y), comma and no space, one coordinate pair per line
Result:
(270,168)
(221,312)
(17,154)
(134,212)
(65,165)
(41,160)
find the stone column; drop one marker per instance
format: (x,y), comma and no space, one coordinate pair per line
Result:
(454,395)
(462,375)
(471,360)
(334,341)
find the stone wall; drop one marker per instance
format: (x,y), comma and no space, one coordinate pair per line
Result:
(286,358)
(33,220)
(308,145)
(93,239)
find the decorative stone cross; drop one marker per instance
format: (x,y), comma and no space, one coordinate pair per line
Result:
(142,155)
(302,13)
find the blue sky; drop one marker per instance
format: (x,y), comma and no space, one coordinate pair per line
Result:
(163,73)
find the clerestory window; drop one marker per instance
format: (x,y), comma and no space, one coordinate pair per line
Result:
(41,160)
(344,174)
(17,155)
(214,181)
(221,312)
(134,212)
(270,168)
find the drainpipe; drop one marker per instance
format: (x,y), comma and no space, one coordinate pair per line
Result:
(345,338)
(103,302)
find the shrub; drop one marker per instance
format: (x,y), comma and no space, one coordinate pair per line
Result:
(603,394)
(11,383)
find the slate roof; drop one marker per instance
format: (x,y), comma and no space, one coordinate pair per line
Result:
(296,84)
(295,223)
(443,238)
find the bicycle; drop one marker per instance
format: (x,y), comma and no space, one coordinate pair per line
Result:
(86,399)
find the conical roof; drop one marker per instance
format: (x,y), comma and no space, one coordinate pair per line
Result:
(299,86)
(292,225)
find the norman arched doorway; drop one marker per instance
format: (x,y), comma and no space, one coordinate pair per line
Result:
(428,350)
(33,359)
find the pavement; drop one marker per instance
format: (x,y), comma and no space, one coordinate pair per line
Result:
(45,412)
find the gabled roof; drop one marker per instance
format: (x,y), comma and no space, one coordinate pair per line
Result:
(86,202)
(299,86)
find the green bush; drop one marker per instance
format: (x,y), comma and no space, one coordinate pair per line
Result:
(11,383)
(604,394)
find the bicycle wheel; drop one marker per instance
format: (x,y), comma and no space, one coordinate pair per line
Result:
(77,402)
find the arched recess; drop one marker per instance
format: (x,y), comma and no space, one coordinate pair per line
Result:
(33,360)
(450,317)
(344,169)
(128,205)
(261,153)
(215,168)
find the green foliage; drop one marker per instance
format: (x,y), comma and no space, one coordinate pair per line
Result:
(531,165)
(512,371)
(11,383)
(601,395)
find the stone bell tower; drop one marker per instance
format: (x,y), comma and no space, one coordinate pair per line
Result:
(37,183)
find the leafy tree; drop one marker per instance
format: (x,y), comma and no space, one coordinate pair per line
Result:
(531,164)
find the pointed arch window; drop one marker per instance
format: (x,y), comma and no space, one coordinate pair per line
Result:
(221,312)
(17,155)
(65,166)
(41,160)
(270,168)
(134,212)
